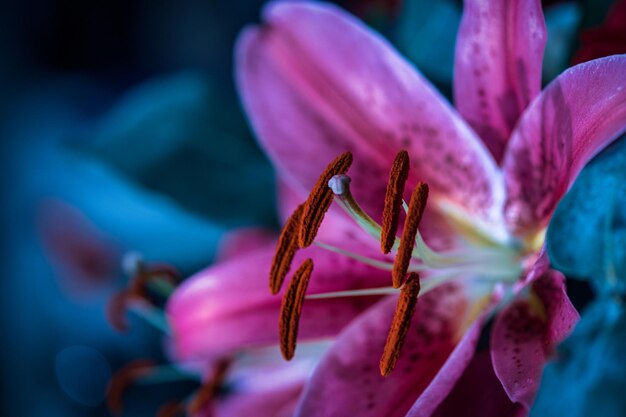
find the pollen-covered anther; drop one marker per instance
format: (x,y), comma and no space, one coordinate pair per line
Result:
(286,249)
(210,389)
(407,241)
(122,379)
(291,309)
(320,199)
(393,200)
(405,308)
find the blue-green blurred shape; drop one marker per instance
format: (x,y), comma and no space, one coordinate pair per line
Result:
(589,376)
(586,240)
(426,34)
(183,136)
(587,235)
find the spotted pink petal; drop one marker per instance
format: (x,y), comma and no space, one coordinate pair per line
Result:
(574,118)
(229,306)
(316,82)
(497,68)
(479,393)
(347,382)
(523,338)
(447,377)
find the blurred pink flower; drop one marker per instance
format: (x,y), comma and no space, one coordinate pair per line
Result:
(315,83)
(84,257)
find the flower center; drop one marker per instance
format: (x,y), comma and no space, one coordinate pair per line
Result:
(480,254)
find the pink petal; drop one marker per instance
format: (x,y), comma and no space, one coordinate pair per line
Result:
(577,115)
(229,306)
(562,315)
(316,82)
(497,68)
(449,373)
(347,382)
(270,392)
(523,337)
(271,402)
(479,393)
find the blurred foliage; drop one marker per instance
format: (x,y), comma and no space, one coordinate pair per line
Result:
(426,34)
(181,136)
(586,238)
(589,375)
(562,22)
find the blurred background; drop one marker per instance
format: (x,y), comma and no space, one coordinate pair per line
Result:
(121,131)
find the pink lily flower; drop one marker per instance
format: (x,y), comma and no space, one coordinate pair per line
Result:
(316,82)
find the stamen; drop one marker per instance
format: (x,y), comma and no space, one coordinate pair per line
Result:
(393,200)
(405,308)
(122,379)
(292,307)
(171,409)
(320,199)
(116,311)
(209,390)
(286,249)
(158,278)
(413,218)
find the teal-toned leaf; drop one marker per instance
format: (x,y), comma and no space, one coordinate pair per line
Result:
(588,378)
(562,20)
(426,34)
(185,137)
(132,217)
(587,235)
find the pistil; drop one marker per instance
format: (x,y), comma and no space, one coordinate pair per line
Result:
(340,186)
(320,199)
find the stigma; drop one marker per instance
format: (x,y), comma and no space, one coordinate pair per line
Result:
(480,254)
